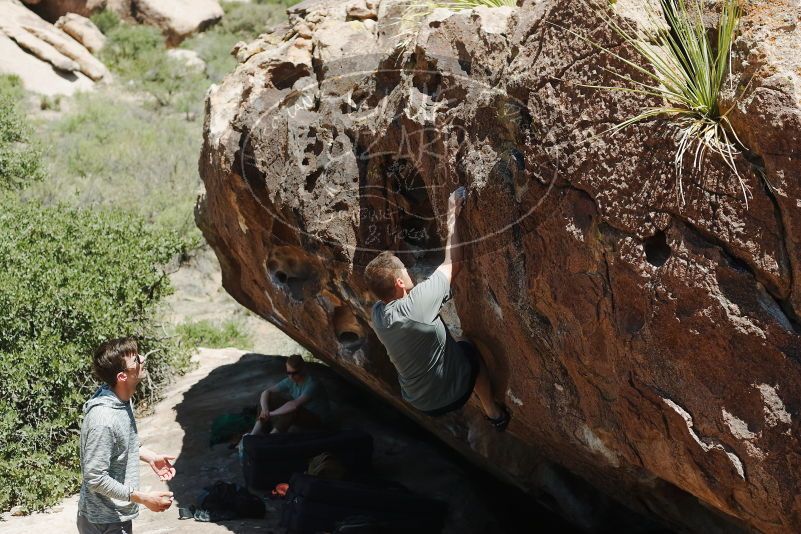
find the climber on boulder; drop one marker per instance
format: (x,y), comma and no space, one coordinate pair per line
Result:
(437,374)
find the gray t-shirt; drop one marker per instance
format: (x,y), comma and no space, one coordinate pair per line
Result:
(432,369)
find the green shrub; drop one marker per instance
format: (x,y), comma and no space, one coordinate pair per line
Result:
(130,47)
(50,102)
(68,280)
(105,21)
(11,87)
(247,21)
(242,22)
(20,155)
(137,54)
(211,335)
(109,151)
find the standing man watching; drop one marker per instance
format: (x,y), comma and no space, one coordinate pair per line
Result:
(110,495)
(437,374)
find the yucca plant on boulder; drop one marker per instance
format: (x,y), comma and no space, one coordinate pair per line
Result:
(684,68)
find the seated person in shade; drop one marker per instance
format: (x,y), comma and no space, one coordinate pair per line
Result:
(298,402)
(437,374)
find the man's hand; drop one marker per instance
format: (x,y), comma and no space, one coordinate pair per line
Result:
(455,203)
(155,501)
(162,466)
(264,416)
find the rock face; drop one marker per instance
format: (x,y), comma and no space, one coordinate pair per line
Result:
(650,347)
(189,58)
(46,58)
(177,19)
(53,9)
(82,30)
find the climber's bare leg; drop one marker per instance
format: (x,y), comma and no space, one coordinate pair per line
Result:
(483,389)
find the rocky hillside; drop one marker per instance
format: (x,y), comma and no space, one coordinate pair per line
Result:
(645,345)
(50,59)
(177,19)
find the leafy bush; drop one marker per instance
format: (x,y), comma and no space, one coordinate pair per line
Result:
(130,47)
(68,280)
(50,102)
(282,3)
(242,22)
(105,20)
(211,335)
(138,55)
(109,151)
(247,21)
(20,156)
(11,87)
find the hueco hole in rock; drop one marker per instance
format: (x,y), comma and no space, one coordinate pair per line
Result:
(590,209)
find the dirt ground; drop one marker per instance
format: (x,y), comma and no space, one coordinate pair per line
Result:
(225,381)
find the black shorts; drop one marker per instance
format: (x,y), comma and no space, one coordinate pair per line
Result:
(471,352)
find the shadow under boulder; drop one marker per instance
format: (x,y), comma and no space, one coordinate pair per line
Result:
(403,452)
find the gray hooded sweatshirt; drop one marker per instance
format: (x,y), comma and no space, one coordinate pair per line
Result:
(109,459)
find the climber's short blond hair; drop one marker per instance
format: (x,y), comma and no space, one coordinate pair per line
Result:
(381,273)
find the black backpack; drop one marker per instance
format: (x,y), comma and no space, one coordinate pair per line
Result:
(224,501)
(376,506)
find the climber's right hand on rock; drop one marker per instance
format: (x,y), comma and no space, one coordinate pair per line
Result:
(456,201)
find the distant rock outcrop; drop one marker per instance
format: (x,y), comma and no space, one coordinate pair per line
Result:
(177,19)
(53,9)
(46,58)
(652,348)
(82,30)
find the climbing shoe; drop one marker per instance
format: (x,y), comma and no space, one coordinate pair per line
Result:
(502,421)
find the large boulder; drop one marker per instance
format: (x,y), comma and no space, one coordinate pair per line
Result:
(177,19)
(651,346)
(53,9)
(82,30)
(48,60)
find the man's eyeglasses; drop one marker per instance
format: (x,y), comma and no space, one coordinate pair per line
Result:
(139,359)
(293,373)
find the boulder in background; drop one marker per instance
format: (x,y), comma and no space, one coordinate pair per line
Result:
(82,30)
(48,60)
(177,19)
